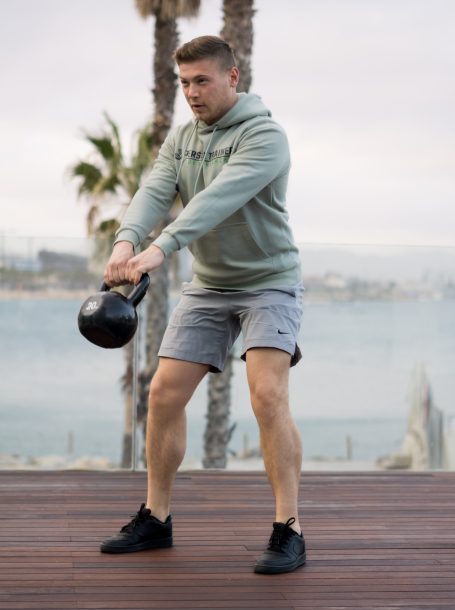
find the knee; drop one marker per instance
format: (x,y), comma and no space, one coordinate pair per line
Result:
(164,396)
(269,401)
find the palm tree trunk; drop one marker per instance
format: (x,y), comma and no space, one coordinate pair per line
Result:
(164,92)
(238,32)
(127,441)
(165,80)
(218,432)
(156,317)
(127,388)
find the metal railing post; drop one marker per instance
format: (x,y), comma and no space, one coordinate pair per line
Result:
(134,400)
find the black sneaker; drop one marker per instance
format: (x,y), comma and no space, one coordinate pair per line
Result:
(285,552)
(143,532)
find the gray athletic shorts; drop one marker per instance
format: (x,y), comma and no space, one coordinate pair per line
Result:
(205,323)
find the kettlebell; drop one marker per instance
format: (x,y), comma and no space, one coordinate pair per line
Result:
(109,319)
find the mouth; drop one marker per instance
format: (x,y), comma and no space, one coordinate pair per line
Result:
(197,106)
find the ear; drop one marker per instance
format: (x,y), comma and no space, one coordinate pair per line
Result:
(234,76)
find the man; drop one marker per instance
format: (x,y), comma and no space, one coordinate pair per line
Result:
(230,166)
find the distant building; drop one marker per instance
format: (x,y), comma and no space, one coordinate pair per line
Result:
(59,261)
(335,280)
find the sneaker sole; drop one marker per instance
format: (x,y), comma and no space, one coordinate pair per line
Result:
(270,569)
(141,546)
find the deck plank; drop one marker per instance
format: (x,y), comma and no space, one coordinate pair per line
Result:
(375,540)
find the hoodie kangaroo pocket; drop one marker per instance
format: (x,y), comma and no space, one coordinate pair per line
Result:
(231,246)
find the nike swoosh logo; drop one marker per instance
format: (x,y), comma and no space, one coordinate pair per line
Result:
(280,332)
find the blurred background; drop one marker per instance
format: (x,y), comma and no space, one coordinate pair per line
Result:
(365,91)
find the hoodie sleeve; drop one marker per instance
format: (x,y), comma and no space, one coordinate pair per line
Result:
(151,202)
(262,156)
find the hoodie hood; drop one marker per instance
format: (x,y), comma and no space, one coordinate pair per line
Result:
(248,106)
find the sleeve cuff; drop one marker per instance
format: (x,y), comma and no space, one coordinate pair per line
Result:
(167,243)
(128,235)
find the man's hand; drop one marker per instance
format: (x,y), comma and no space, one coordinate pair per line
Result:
(115,272)
(125,268)
(145,262)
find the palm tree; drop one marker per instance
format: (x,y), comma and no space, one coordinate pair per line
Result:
(165,13)
(238,32)
(108,183)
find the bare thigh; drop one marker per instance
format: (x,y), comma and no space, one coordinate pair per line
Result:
(175,382)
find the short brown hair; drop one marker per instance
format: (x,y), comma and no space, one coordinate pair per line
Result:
(206,47)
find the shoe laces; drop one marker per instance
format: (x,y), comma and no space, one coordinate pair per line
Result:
(281,534)
(141,516)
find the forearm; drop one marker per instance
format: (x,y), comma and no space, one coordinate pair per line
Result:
(145,211)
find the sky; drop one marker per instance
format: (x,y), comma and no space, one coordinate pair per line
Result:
(364,88)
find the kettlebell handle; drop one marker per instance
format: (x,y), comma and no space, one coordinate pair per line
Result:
(139,291)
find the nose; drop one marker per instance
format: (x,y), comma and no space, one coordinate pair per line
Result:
(193,91)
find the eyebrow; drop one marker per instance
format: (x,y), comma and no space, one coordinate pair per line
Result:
(182,78)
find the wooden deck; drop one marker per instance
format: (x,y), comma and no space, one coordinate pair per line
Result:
(375,540)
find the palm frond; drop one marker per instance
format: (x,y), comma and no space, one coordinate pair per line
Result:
(115,132)
(142,156)
(103,145)
(168,9)
(90,176)
(107,184)
(145,8)
(109,179)
(108,227)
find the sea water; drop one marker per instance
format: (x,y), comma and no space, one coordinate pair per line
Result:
(60,394)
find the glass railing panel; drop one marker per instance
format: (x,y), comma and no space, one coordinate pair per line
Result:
(379,347)
(374,389)
(61,400)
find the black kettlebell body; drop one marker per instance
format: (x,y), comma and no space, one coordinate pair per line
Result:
(109,319)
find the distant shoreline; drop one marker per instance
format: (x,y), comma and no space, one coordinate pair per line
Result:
(62,462)
(58,294)
(309,299)
(65,295)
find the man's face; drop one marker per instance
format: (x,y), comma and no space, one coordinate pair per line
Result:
(209,89)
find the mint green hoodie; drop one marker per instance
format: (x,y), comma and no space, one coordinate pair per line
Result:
(232,178)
